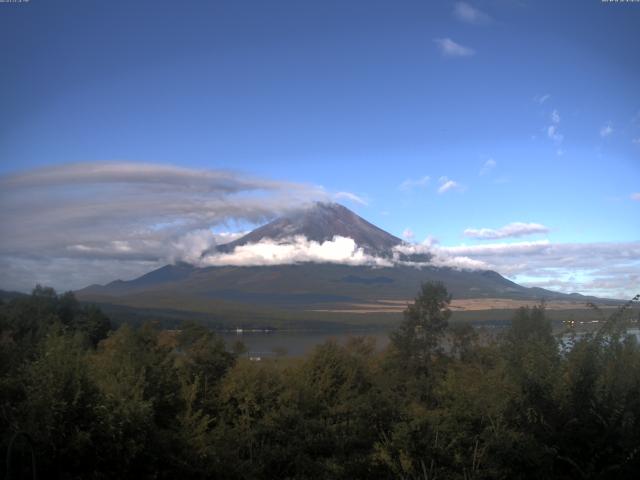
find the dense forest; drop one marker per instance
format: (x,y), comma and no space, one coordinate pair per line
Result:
(441,402)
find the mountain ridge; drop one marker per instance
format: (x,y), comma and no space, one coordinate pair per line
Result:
(308,286)
(321,223)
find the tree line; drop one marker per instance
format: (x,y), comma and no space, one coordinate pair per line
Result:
(441,402)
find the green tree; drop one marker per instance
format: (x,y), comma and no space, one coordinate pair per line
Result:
(531,357)
(141,399)
(415,357)
(58,410)
(202,359)
(599,428)
(418,338)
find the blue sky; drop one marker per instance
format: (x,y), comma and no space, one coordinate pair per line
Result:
(532,109)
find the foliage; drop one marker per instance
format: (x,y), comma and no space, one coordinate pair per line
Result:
(445,402)
(425,321)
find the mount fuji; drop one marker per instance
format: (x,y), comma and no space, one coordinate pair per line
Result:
(311,291)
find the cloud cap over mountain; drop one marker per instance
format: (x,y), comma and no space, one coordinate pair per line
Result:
(77,224)
(136,214)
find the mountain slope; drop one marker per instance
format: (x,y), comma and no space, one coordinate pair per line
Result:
(321,223)
(305,287)
(290,284)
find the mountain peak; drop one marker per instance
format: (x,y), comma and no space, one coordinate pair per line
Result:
(321,222)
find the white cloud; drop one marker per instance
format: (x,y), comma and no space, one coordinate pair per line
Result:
(350,196)
(498,249)
(547,255)
(408,234)
(469,14)
(189,247)
(488,166)
(342,250)
(606,269)
(139,213)
(74,225)
(516,229)
(449,48)
(158,177)
(606,130)
(446,185)
(617,263)
(541,98)
(459,263)
(636,141)
(554,134)
(438,256)
(410,183)
(296,249)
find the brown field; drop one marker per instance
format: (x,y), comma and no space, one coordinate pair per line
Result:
(461,305)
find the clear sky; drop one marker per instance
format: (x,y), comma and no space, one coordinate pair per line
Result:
(517,112)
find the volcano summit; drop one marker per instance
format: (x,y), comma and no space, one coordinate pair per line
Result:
(313,262)
(320,223)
